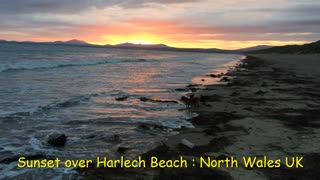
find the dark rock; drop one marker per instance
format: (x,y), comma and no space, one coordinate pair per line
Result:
(212,75)
(160,127)
(165,101)
(219,75)
(193,85)
(238,83)
(193,89)
(122,149)
(191,101)
(66,104)
(162,151)
(264,84)
(235,94)
(208,105)
(260,92)
(204,98)
(182,89)
(122,98)
(116,138)
(143,126)
(91,136)
(144,99)
(152,126)
(57,140)
(210,98)
(226,79)
(27,157)
(222,156)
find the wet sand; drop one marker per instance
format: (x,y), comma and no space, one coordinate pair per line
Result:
(268,106)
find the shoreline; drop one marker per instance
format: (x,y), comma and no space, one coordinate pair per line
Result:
(264,109)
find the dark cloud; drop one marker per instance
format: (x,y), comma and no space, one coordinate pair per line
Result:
(38,6)
(74,6)
(307,9)
(293,26)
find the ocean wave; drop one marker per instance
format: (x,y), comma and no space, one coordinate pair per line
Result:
(49,64)
(55,105)
(35,65)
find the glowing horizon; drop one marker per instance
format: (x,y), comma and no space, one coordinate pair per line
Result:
(204,46)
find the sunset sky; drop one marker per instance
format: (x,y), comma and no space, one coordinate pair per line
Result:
(227,24)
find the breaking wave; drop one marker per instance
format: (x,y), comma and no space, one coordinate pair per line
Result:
(56,105)
(34,65)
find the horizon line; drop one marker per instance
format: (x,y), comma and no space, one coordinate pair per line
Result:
(142,44)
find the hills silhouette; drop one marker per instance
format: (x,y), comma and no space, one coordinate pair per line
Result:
(288,49)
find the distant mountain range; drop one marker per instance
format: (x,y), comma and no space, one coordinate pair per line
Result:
(161,47)
(70,42)
(307,48)
(131,45)
(310,48)
(254,48)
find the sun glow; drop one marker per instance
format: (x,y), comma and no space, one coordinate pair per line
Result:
(132,38)
(183,41)
(140,42)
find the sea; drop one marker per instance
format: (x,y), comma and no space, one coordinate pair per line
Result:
(100,98)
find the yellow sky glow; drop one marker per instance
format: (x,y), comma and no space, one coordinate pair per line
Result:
(156,39)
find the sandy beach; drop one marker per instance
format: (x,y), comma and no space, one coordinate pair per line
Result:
(268,107)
